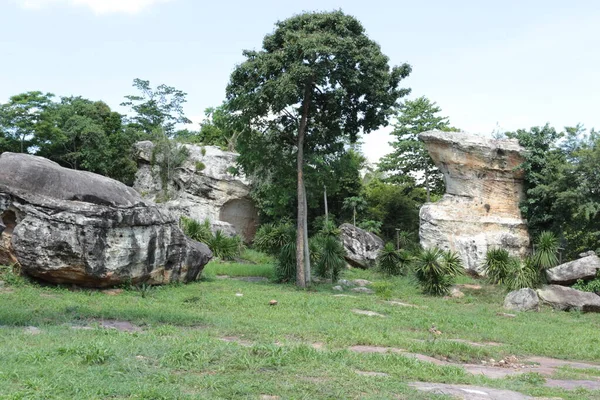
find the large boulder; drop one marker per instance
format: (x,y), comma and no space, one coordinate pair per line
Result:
(566,299)
(203,187)
(480,209)
(76,227)
(361,247)
(566,274)
(522,300)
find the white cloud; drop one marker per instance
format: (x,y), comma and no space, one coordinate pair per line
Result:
(97,6)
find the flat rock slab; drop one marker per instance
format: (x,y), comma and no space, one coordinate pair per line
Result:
(235,339)
(33,330)
(371,373)
(343,295)
(546,362)
(367,313)
(362,289)
(572,384)
(252,279)
(401,304)
(123,326)
(468,392)
(476,344)
(376,349)
(468,286)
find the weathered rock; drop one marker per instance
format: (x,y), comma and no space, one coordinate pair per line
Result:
(587,253)
(201,188)
(67,226)
(455,293)
(361,246)
(567,299)
(522,300)
(468,392)
(338,288)
(480,209)
(362,289)
(569,273)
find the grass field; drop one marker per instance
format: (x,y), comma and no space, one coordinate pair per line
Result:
(220,339)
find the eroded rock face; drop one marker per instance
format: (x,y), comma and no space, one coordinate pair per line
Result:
(567,299)
(202,188)
(67,226)
(480,209)
(568,273)
(361,247)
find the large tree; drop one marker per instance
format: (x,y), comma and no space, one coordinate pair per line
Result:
(317,80)
(409,160)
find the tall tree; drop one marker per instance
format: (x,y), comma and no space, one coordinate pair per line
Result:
(19,119)
(409,156)
(318,79)
(160,108)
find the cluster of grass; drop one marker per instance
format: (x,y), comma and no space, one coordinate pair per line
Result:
(180,353)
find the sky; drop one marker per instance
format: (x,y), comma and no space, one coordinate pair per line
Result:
(489,65)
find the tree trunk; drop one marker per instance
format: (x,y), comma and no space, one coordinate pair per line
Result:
(354,215)
(325,197)
(306,248)
(301,241)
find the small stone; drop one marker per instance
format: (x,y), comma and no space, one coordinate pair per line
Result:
(344,282)
(507,315)
(361,289)
(338,288)
(273,302)
(368,313)
(112,292)
(456,293)
(32,330)
(361,282)
(239,294)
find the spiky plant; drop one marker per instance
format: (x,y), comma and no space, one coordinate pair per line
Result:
(497,266)
(285,267)
(199,231)
(435,269)
(523,274)
(225,247)
(546,249)
(391,261)
(327,251)
(270,238)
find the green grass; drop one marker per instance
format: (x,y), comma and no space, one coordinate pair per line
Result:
(180,354)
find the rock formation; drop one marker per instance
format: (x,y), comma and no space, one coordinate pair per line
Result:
(361,246)
(67,226)
(569,299)
(584,268)
(201,188)
(522,300)
(480,209)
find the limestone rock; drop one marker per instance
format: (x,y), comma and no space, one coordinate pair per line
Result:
(67,226)
(522,300)
(362,289)
(201,188)
(566,299)
(480,209)
(569,273)
(361,247)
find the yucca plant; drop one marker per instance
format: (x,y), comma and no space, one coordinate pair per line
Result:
(435,269)
(199,231)
(285,267)
(391,261)
(546,249)
(270,238)
(497,266)
(327,251)
(523,274)
(225,247)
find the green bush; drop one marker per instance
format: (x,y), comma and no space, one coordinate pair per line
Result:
(270,238)
(285,267)
(330,260)
(221,245)
(524,274)
(199,231)
(589,286)
(435,270)
(391,261)
(546,249)
(497,266)
(371,226)
(200,166)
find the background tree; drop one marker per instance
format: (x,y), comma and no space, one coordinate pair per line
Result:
(318,79)
(355,203)
(156,108)
(409,156)
(19,119)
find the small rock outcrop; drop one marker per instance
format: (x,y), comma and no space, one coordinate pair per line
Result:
(76,227)
(480,209)
(567,299)
(522,300)
(201,188)
(361,247)
(568,273)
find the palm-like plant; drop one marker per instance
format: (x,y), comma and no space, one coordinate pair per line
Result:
(271,238)
(523,274)
(497,266)
(435,270)
(371,226)
(327,251)
(546,249)
(391,261)
(199,231)
(354,203)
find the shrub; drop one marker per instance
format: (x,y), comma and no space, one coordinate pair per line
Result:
(200,166)
(222,246)
(195,230)
(285,267)
(391,261)
(497,266)
(327,251)
(524,274)
(371,226)
(270,238)
(435,270)
(546,249)
(589,286)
